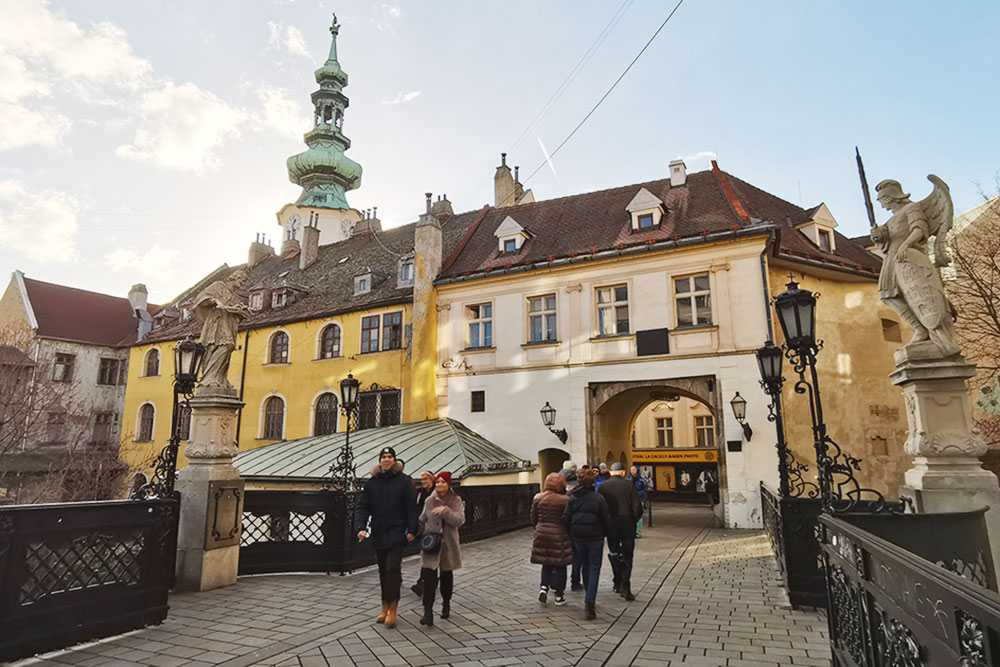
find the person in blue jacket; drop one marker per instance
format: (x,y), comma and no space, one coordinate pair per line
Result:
(642,488)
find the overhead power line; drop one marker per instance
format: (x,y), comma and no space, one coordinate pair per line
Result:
(609,91)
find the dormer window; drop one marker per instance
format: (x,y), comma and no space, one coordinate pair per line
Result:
(278,298)
(511,236)
(405,278)
(646,210)
(362,283)
(825,243)
(257,300)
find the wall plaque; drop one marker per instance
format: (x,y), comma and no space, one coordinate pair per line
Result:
(225,514)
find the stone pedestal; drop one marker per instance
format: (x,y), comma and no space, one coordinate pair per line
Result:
(947,475)
(208,540)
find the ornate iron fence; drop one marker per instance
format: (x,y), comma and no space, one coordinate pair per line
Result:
(78,571)
(314,531)
(908,590)
(792,524)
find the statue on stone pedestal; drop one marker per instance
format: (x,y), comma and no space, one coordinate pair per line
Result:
(909,283)
(219,310)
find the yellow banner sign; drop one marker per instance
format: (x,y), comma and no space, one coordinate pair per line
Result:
(674,456)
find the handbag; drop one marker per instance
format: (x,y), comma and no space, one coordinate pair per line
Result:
(430,543)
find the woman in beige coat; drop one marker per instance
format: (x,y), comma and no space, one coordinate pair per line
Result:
(443,513)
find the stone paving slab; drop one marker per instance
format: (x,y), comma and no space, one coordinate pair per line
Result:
(705,596)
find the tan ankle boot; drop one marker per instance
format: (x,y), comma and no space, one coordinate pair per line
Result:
(385,612)
(390,618)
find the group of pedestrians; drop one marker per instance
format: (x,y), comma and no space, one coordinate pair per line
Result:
(398,515)
(574,515)
(576,512)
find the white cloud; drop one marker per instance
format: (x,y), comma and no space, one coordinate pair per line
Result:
(21,126)
(281,113)
(386,16)
(155,263)
(287,37)
(402,98)
(182,127)
(694,157)
(15,80)
(41,225)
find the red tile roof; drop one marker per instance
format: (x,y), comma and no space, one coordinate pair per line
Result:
(68,313)
(710,202)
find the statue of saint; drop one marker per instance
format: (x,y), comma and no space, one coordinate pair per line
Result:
(220,311)
(909,283)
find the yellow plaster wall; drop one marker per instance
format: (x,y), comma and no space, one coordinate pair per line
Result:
(13,321)
(683,411)
(299,382)
(863,410)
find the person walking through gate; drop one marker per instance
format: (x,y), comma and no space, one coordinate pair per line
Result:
(389,500)
(642,488)
(589,522)
(426,489)
(625,509)
(551,547)
(443,514)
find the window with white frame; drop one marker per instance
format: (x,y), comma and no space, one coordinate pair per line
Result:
(480,318)
(612,310)
(369,333)
(824,240)
(152,363)
(63,369)
(664,432)
(405,272)
(325,421)
(279,298)
(147,413)
(278,353)
(509,246)
(274,418)
(256,300)
(362,284)
(693,298)
(392,331)
(542,319)
(704,428)
(646,221)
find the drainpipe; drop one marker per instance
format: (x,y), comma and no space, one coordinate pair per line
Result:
(767,285)
(243,377)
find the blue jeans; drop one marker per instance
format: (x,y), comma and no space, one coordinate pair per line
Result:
(591,553)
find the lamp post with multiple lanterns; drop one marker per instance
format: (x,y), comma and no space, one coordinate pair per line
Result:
(188,354)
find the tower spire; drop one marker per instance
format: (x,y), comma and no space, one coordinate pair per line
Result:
(323,171)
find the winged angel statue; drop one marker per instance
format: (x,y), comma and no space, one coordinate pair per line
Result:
(909,283)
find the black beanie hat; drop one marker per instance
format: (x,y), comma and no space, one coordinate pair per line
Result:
(387,450)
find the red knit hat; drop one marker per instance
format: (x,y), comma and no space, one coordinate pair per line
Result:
(446,476)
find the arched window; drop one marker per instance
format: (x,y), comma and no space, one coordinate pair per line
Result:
(329,343)
(146,415)
(153,363)
(274,418)
(279,348)
(326,415)
(184,422)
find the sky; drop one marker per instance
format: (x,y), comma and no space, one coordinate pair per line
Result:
(146,142)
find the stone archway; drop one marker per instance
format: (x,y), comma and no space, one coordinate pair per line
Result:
(612,408)
(550,460)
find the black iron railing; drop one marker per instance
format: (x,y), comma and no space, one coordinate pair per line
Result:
(914,589)
(792,524)
(314,531)
(78,571)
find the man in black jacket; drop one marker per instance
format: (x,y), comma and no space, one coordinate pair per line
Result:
(626,508)
(587,518)
(388,499)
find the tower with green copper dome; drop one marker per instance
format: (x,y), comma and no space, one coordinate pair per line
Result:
(323,171)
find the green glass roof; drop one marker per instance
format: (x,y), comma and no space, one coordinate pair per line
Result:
(436,445)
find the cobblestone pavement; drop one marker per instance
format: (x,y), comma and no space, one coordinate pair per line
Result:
(706,596)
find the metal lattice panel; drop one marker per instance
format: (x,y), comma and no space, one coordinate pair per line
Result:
(89,561)
(282,526)
(307,527)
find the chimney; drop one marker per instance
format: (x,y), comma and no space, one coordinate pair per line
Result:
(678,173)
(369,222)
(518,188)
(427,247)
(310,246)
(442,209)
(137,298)
(503,184)
(259,251)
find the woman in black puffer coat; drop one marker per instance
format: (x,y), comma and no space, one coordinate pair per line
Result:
(551,548)
(589,522)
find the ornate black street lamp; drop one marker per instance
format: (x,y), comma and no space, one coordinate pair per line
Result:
(839,489)
(790,482)
(343,476)
(188,354)
(739,405)
(549,419)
